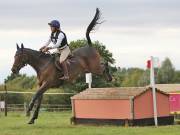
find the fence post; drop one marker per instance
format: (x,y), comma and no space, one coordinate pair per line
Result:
(5,100)
(89,79)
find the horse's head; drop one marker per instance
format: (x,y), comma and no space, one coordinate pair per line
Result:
(20,59)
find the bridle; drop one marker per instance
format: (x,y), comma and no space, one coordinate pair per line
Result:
(23,62)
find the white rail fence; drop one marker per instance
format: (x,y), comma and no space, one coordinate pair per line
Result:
(23,107)
(44,107)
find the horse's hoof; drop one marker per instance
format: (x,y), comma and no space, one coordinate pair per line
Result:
(31,122)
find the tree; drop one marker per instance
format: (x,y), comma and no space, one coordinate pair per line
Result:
(119,76)
(11,77)
(176,78)
(145,78)
(20,82)
(132,77)
(166,72)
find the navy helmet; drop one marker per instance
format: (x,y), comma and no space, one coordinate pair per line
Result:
(55,23)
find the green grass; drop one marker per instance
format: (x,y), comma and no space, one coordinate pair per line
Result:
(58,123)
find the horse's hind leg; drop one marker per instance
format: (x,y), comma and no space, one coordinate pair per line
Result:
(36,112)
(103,69)
(84,64)
(106,72)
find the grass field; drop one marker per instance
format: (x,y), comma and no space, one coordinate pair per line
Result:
(58,123)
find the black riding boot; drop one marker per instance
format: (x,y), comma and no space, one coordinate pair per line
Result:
(65,71)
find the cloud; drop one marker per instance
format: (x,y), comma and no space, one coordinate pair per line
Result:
(133,31)
(142,13)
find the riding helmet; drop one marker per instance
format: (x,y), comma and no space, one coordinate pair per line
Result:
(55,23)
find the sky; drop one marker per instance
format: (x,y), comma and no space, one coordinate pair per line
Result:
(133,30)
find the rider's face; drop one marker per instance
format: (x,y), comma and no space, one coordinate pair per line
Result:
(53,29)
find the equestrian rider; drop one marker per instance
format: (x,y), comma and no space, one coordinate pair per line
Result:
(58,40)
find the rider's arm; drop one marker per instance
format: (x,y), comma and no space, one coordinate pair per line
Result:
(45,45)
(59,40)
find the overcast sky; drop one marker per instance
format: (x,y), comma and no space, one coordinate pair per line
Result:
(134,29)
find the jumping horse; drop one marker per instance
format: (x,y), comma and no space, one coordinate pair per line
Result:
(82,60)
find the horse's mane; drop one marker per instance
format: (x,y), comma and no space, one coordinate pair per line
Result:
(38,53)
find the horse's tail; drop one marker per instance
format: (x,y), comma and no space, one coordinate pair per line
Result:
(92,25)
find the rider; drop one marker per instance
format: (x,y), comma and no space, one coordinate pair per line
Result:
(59,41)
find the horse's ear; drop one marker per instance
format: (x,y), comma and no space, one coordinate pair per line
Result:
(17,46)
(22,46)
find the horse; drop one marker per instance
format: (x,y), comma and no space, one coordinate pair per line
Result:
(83,60)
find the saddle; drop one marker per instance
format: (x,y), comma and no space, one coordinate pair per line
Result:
(56,60)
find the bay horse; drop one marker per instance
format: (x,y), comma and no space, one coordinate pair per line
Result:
(84,59)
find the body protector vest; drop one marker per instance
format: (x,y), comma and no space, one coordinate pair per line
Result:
(54,38)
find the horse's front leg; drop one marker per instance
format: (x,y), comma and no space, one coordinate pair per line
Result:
(39,93)
(36,112)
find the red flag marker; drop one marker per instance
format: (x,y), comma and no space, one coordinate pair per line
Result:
(149,64)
